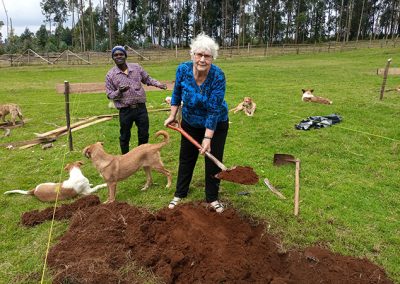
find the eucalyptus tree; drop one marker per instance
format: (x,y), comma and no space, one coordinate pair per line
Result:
(134,30)
(26,39)
(389,20)
(42,37)
(317,20)
(55,11)
(1,36)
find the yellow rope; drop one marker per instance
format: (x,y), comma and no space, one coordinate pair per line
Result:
(54,212)
(52,221)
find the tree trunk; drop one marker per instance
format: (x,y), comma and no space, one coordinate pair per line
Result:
(361,18)
(82,28)
(110,23)
(350,16)
(340,23)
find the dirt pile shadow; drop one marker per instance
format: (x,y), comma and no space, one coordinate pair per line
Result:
(189,244)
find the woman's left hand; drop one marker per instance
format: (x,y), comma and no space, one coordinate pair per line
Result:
(206,146)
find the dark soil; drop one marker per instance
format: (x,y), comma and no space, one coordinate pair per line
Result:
(189,244)
(239,174)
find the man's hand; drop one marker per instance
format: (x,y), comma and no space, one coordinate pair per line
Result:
(163,86)
(123,89)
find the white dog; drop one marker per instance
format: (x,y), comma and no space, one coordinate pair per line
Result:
(75,185)
(308,96)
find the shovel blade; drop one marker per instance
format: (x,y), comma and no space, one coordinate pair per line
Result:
(282,159)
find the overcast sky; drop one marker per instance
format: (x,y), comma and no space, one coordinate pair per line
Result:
(23,14)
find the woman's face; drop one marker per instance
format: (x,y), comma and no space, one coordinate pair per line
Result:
(202,60)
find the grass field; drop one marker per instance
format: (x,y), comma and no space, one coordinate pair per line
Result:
(350,197)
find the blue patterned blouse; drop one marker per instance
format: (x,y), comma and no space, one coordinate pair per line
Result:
(204,105)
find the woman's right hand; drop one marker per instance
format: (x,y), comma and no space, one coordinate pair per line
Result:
(169,120)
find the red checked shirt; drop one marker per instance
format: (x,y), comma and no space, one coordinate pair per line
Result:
(134,78)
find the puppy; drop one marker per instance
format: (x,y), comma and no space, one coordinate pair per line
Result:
(76,184)
(309,97)
(14,110)
(247,105)
(116,168)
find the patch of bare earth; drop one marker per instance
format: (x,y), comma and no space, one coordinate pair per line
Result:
(110,243)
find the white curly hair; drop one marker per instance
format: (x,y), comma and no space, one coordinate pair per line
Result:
(204,43)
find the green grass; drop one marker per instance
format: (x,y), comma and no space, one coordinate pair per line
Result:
(350,201)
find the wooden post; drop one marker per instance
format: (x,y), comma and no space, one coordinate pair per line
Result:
(384,78)
(248,48)
(66,93)
(176,51)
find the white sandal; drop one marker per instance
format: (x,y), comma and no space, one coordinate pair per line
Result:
(218,207)
(174,202)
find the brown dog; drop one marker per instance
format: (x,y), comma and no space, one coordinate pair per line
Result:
(309,97)
(12,109)
(76,184)
(247,105)
(116,168)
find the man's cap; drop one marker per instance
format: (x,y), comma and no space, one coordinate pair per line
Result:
(120,48)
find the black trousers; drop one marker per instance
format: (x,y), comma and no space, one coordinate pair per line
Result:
(188,157)
(127,116)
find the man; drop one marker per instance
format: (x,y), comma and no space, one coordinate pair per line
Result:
(124,88)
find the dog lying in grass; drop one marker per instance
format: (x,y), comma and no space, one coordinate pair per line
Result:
(14,110)
(308,96)
(248,106)
(396,89)
(75,185)
(116,168)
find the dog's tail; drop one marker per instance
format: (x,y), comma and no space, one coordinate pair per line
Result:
(166,137)
(28,192)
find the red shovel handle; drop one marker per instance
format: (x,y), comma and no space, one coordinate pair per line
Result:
(184,133)
(195,143)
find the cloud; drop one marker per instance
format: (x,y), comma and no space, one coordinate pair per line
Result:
(23,14)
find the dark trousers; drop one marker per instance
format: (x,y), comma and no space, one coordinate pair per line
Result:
(188,157)
(126,118)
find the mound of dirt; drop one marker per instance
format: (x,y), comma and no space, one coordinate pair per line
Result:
(190,244)
(65,211)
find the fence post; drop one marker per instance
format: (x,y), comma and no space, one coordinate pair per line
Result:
(176,51)
(66,93)
(384,78)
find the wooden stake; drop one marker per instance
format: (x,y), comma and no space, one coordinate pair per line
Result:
(384,78)
(66,93)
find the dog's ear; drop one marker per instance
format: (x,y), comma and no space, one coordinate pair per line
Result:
(312,90)
(67,167)
(80,163)
(87,152)
(303,91)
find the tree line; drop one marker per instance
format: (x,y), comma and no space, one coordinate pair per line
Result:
(170,23)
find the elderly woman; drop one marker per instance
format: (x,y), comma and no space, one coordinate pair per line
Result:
(200,85)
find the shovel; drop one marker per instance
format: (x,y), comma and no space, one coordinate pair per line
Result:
(283,159)
(236,174)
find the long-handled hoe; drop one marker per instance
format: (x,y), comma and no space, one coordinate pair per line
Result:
(283,159)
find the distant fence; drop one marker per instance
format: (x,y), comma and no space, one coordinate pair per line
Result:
(165,54)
